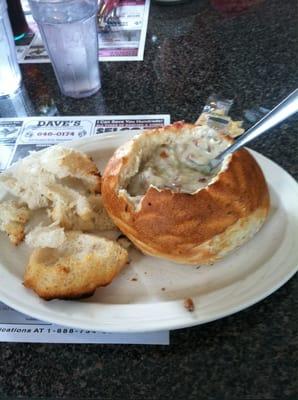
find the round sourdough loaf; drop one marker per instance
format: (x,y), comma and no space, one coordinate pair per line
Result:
(168,210)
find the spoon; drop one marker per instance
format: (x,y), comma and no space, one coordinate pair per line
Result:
(279,113)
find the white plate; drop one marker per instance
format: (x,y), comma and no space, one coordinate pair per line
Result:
(155,300)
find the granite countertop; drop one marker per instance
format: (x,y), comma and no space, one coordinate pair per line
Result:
(191,51)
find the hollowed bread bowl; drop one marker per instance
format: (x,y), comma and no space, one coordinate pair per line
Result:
(170,210)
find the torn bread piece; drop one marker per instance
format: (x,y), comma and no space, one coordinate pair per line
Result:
(67,201)
(28,181)
(13,218)
(51,236)
(64,163)
(76,268)
(64,181)
(98,220)
(30,188)
(67,213)
(29,178)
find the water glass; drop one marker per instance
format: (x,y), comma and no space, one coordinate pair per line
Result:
(69,32)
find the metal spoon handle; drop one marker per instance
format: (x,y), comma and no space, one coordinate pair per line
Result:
(278,114)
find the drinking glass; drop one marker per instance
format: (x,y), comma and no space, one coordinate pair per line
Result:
(69,32)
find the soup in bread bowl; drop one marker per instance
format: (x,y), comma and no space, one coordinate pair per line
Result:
(168,208)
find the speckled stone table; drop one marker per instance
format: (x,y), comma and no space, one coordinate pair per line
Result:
(191,51)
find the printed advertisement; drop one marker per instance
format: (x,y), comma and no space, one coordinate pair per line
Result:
(20,136)
(120,38)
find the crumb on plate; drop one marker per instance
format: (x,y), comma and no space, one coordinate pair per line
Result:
(189,304)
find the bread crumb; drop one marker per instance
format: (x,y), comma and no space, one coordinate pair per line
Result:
(189,304)
(163,154)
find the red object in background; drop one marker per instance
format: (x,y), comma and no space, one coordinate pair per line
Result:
(107,6)
(111,4)
(17,18)
(232,7)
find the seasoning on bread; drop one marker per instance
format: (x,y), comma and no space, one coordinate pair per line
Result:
(13,218)
(79,265)
(168,210)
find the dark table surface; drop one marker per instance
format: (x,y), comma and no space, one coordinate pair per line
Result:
(191,51)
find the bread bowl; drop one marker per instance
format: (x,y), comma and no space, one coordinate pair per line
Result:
(196,220)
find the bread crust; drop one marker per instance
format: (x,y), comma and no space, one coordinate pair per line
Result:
(182,227)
